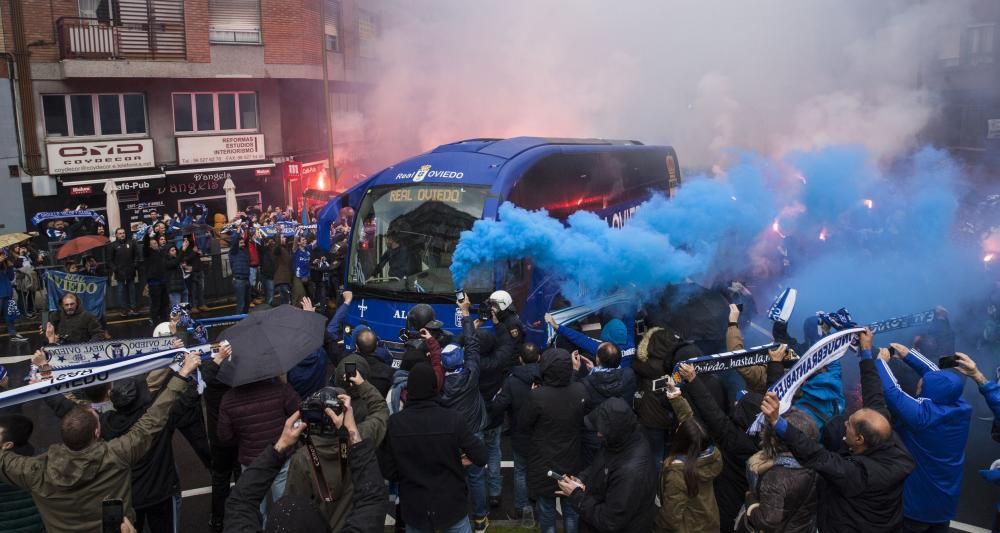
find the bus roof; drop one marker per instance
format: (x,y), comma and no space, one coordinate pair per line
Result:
(497,163)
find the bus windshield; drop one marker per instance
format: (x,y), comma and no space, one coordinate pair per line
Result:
(404,237)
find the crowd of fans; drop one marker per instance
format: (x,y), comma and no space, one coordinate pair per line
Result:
(593,441)
(418,435)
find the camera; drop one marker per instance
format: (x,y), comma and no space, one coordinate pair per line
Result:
(484,313)
(409,335)
(313,407)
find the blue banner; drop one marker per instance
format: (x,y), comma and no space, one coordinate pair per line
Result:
(90,289)
(62,215)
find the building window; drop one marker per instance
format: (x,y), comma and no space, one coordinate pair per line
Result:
(979,44)
(200,112)
(332,25)
(367,32)
(101,10)
(86,115)
(234,21)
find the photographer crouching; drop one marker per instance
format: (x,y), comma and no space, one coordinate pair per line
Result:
(323,412)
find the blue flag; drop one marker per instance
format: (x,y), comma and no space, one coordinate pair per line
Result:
(90,289)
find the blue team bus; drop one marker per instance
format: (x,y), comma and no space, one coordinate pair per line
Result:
(408,218)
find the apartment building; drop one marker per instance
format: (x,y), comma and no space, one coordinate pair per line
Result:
(168,100)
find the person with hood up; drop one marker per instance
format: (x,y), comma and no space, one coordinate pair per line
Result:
(660,349)
(426,449)
(70,480)
(783,494)
(371,417)
(935,428)
(729,432)
(863,489)
(614,331)
(617,492)
(461,394)
(687,498)
(553,414)
(511,399)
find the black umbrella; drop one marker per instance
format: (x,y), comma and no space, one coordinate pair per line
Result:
(269,343)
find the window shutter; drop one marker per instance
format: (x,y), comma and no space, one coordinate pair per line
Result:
(332,17)
(234,20)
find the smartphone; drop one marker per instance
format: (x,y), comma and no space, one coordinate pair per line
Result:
(351,369)
(739,307)
(892,351)
(460,295)
(660,384)
(948,361)
(112,516)
(554,475)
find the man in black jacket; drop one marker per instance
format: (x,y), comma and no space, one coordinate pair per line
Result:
(380,373)
(554,416)
(512,398)
(425,451)
(124,257)
(296,513)
(616,492)
(156,283)
(73,323)
(864,481)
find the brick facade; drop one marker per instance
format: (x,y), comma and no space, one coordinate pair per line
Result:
(196,31)
(291,31)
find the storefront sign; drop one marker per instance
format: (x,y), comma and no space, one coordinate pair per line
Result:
(260,172)
(81,190)
(99,156)
(220,149)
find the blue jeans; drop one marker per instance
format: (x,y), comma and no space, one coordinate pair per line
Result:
(520,482)
(475,476)
(491,437)
(546,515)
(462,526)
(4,302)
(277,487)
(176,298)
(126,293)
(268,285)
(242,289)
(285,291)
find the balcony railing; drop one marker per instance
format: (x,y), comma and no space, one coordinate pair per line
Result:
(86,38)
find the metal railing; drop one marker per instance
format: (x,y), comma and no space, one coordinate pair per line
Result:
(91,38)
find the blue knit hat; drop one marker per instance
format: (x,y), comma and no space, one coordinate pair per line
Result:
(452,357)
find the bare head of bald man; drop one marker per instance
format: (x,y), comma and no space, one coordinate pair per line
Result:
(866,429)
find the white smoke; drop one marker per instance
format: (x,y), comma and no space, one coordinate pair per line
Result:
(704,76)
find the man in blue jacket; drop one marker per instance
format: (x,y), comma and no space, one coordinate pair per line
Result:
(614,331)
(935,428)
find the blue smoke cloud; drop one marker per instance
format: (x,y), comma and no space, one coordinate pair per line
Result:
(898,257)
(666,241)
